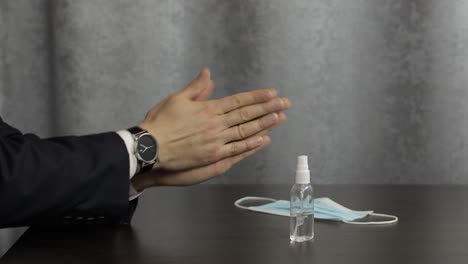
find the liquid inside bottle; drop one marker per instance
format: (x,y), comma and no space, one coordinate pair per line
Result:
(302,213)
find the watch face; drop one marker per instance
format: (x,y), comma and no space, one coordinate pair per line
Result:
(147,148)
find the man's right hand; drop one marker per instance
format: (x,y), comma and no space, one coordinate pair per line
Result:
(193,132)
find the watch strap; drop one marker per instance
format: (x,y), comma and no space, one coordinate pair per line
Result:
(135,130)
(145,167)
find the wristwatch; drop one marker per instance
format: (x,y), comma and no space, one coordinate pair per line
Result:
(146,149)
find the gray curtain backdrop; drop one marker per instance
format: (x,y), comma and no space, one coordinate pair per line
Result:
(379,87)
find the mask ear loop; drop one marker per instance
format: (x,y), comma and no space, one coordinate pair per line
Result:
(392,221)
(239,202)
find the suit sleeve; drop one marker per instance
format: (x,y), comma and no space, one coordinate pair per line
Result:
(43,179)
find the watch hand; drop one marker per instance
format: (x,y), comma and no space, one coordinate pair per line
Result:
(146,148)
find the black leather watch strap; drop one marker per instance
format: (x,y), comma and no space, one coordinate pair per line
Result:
(144,167)
(135,130)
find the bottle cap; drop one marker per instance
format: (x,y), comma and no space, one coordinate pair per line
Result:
(302,170)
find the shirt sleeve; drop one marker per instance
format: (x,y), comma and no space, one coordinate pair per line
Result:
(130,145)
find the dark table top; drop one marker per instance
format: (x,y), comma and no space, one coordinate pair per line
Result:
(201,225)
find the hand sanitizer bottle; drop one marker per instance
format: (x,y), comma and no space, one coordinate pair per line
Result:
(302,204)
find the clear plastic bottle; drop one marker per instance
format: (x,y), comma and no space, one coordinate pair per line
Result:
(302,204)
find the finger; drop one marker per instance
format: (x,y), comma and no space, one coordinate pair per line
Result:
(201,174)
(237,147)
(198,85)
(239,100)
(281,119)
(223,165)
(263,133)
(250,128)
(251,112)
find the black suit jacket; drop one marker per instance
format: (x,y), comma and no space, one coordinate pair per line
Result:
(63,180)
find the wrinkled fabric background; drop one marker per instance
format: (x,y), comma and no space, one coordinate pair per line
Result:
(379,87)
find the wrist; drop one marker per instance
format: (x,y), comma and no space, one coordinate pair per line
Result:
(146,180)
(140,182)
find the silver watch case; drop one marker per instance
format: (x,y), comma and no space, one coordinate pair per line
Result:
(136,138)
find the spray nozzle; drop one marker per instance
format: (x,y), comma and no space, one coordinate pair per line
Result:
(302,170)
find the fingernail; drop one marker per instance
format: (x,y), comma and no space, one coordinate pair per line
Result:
(256,141)
(205,69)
(282,116)
(273,93)
(271,119)
(287,102)
(277,104)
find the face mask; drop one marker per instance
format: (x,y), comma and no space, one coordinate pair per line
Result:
(324,208)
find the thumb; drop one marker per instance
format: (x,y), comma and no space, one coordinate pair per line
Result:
(196,87)
(205,93)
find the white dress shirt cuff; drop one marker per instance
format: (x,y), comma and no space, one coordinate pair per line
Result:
(130,144)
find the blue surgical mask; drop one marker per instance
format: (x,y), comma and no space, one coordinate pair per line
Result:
(324,208)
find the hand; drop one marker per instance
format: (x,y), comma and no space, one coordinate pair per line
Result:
(191,176)
(192,131)
(196,175)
